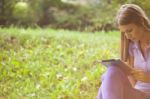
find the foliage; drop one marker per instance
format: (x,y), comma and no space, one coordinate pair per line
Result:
(52,64)
(57,14)
(22,13)
(7,7)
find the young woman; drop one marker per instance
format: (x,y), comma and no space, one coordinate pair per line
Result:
(134,26)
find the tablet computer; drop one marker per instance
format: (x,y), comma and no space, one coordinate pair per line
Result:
(117,62)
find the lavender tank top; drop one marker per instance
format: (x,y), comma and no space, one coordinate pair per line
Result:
(141,62)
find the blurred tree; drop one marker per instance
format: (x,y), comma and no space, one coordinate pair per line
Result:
(47,7)
(1,6)
(7,9)
(21,12)
(2,20)
(96,15)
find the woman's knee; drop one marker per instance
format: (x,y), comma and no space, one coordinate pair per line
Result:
(114,73)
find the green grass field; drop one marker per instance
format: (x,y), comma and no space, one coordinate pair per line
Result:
(53,64)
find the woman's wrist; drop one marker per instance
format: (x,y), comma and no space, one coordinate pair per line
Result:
(132,80)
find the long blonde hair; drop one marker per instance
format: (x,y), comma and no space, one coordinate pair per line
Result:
(127,14)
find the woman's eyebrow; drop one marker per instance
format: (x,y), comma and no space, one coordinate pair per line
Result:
(129,30)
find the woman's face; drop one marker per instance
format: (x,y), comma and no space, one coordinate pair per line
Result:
(132,31)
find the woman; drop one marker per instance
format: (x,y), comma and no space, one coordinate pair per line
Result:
(134,26)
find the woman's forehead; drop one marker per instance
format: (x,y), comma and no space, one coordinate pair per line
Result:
(128,26)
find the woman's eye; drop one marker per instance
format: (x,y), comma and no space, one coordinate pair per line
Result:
(128,31)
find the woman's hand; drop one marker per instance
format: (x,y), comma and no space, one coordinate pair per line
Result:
(140,75)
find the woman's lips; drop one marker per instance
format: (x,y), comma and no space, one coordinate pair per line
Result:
(133,39)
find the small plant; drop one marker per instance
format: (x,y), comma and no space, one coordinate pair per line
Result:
(52,64)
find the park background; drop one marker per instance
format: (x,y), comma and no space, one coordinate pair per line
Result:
(50,49)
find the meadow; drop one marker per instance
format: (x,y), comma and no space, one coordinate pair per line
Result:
(53,64)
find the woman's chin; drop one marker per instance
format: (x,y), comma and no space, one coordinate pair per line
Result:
(134,40)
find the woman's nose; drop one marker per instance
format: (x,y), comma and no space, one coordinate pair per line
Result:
(129,36)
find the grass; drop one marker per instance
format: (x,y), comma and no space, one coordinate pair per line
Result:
(53,64)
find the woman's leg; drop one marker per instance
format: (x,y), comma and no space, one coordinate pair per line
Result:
(99,96)
(116,85)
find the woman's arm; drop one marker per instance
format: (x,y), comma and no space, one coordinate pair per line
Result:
(137,74)
(132,80)
(141,75)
